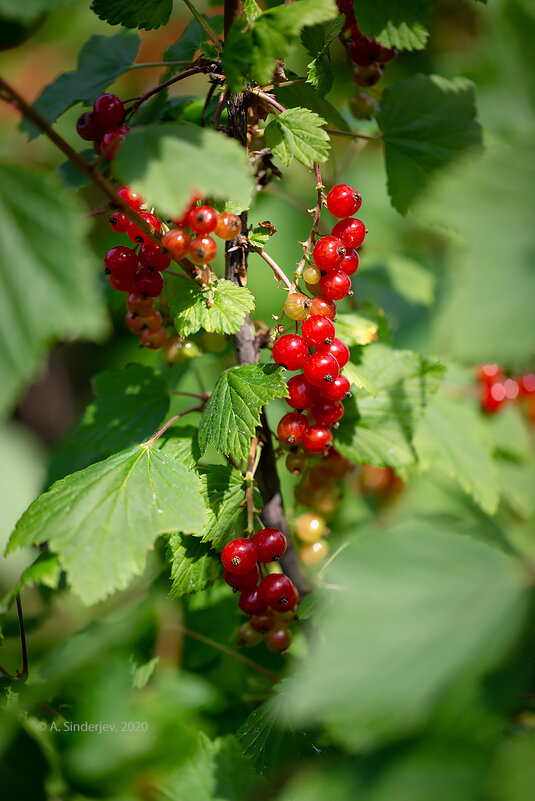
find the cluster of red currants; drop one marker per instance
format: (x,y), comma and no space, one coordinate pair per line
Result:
(103,125)
(496,389)
(271,603)
(321,387)
(197,244)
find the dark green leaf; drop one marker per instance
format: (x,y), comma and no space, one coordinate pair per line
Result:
(394,24)
(147,14)
(45,570)
(194,566)
(223,490)
(317,39)
(302,94)
(298,133)
(30,9)
(221,308)
(102,59)
(427,122)
(233,411)
(190,41)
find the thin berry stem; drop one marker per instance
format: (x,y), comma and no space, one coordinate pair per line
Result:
(281,276)
(204,397)
(142,65)
(353,134)
(23,673)
(219,111)
(249,484)
(200,68)
(209,31)
(170,422)
(268,98)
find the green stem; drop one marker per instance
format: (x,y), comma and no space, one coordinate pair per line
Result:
(159,64)
(353,134)
(204,25)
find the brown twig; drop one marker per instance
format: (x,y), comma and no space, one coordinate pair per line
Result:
(279,273)
(268,99)
(170,422)
(204,67)
(249,485)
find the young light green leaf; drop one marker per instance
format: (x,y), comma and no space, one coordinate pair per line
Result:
(194,566)
(360,378)
(223,490)
(221,308)
(252,10)
(37,213)
(253,52)
(380,430)
(101,61)
(394,24)
(165,161)
(45,571)
(301,95)
(147,14)
(102,520)
(258,236)
(298,133)
(233,411)
(356,329)
(427,122)
(317,39)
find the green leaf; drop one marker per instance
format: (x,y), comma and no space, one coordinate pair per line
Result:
(419,599)
(180,442)
(217,772)
(130,405)
(223,490)
(101,61)
(452,437)
(252,10)
(190,40)
(360,378)
(317,39)
(102,520)
(270,37)
(233,411)
(258,236)
(356,329)
(406,277)
(221,308)
(427,121)
(298,133)
(147,14)
(394,24)
(303,95)
(30,9)
(53,290)
(381,431)
(166,161)
(45,571)
(194,565)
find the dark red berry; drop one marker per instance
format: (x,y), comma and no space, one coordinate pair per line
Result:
(351,232)
(133,198)
(328,252)
(335,285)
(337,389)
(350,263)
(363,51)
(121,284)
(202,219)
(367,76)
(122,262)
(270,544)
(290,351)
(338,349)
(135,234)
(343,201)
(320,368)
(317,330)
(244,582)
(112,141)
(302,393)
(88,128)
(278,640)
(323,305)
(148,282)
(108,111)
(119,222)
(278,592)
(252,603)
(317,438)
(151,255)
(264,622)
(239,556)
(386,54)
(326,412)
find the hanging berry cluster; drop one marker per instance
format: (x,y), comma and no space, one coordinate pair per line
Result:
(103,125)
(271,603)
(497,389)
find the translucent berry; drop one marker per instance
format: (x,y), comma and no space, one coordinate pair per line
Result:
(386,54)
(336,465)
(338,349)
(151,255)
(309,527)
(239,556)
(278,640)
(290,351)
(367,76)
(202,219)
(88,128)
(296,463)
(108,111)
(318,330)
(278,592)
(247,637)
(317,438)
(363,50)
(363,106)
(326,412)
(314,553)
(489,373)
(244,582)
(512,389)
(252,603)
(153,321)
(202,249)
(296,306)
(328,252)
(121,284)
(343,201)
(139,304)
(326,499)
(112,141)
(122,262)
(264,622)
(350,263)
(526,383)
(133,198)
(176,242)
(228,226)
(351,232)
(135,234)
(338,389)
(302,394)
(119,222)
(291,428)
(335,285)
(153,339)
(312,275)
(270,544)
(493,396)
(323,305)
(148,282)
(320,368)
(135,323)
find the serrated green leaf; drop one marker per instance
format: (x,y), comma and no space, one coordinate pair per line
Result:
(233,411)
(380,430)
(320,73)
(252,10)
(158,159)
(317,39)
(194,566)
(102,520)
(30,9)
(419,598)
(101,61)
(253,52)
(181,442)
(360,378)
(298,133)
(43,233)
(147,14)
(190,40)
(303,95)
(356,329)
(258,236)
(220,309)
(223,490)
(452,437)
(393,24)
(130,404)
(427,122)
(45,571)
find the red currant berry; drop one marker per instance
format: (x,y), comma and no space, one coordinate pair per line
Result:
(176,242)
(202,249)
(247,637)
(135,234)
(133,198)
(119,222)
(202,219)
(493,396)
(338,349)
(343,201)
(122,262)
(137,304)
(318,330)
(337,389)
(264,622)
(252,603)
(320,368)
(526,383)
(326,412)
(121,284)
(386,54)
(88,128)
(335,285)
(153,321)
(135,323)
(512,388)
(323,305)
(296,306)
(278,640)
(328,252)
(336,465)
(108,111)
(302,393)
(350,262)
(151,255)
(363,106)
(278,592)
(112,141)
(489,373)
(363,51)
(153,339)
(148,282)
(244,582)
(270,544)
(351,232)
(296,463)
(291,428)
(239,556)
(367,76)
(317,438)
(290,351)
(228,226)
